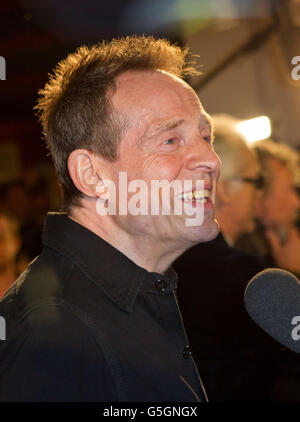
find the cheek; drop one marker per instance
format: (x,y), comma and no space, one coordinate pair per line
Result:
(273,207)
(278,201)
(245,203)
(247,206)
(252,199)
(162,167)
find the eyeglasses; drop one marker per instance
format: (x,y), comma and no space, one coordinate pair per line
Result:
(258,182)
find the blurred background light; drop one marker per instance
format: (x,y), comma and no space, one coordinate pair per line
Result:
(255,129)
(190,15)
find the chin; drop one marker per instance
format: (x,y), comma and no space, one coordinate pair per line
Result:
(203,233)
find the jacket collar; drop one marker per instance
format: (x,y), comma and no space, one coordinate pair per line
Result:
(119,277)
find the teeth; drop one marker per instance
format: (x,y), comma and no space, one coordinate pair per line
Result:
(200,195)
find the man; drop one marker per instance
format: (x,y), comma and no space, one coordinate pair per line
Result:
(275,238)
(95,317)
(18,202)
(237,361)
(240,180)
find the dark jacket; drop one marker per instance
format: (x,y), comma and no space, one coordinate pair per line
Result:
(84,323)
(236,359)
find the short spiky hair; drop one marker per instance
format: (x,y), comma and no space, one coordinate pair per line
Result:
(74,107)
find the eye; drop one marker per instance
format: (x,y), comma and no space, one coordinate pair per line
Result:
(207,139)
(170,141)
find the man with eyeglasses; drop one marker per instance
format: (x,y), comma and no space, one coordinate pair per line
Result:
(276,238)
(240,180)
(237,361)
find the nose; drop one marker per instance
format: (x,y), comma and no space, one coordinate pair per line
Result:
(201,156)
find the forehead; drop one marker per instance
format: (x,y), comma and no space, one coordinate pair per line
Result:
(147,97)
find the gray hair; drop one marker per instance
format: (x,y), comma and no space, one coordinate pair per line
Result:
(231,146)
(268,149)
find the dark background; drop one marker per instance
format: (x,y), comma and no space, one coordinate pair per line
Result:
(35,35)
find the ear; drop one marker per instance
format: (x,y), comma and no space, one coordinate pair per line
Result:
(223,192)
(85,171)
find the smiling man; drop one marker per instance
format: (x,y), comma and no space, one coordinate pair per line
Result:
(95,317)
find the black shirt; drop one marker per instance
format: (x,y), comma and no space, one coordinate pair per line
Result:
(236,359)
(84,323)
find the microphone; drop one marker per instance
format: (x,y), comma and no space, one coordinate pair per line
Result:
(272,300)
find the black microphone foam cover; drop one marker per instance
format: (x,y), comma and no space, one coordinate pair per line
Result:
(272,299)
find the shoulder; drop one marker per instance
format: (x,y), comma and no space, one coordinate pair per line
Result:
(46,323)
(50,354)
(52,351)
(44,278)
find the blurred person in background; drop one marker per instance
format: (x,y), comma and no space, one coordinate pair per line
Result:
(236,359)
(19,200)
(10,243)
(276,238)
(240,180)
(40,201)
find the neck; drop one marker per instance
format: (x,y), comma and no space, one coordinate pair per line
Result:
(143,250)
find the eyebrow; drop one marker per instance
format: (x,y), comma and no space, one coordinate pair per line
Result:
(207,120)
(158,128)
(165,126)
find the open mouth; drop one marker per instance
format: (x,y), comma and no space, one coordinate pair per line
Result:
(195,195)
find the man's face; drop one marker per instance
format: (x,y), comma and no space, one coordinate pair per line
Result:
(242,194)
(169,138)
(280,204)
